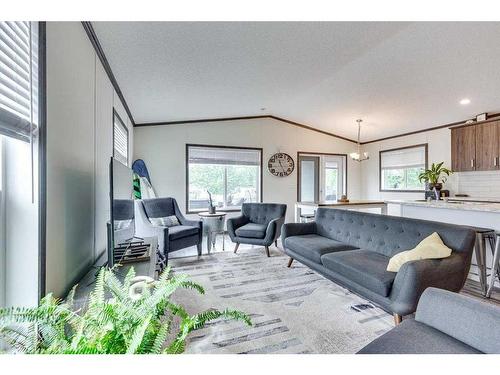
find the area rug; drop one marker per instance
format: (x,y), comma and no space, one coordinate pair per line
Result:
(293,310)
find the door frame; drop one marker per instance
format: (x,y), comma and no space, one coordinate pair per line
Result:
(317,166)
(320,154)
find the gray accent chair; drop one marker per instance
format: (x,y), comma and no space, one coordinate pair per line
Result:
(445,323)
(353,249)
(170,239)
(259,224)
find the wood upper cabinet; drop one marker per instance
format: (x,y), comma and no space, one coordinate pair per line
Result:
(487,142)
(463,148)
(476,147)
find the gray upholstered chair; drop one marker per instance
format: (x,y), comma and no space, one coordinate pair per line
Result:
(173,238)
(445,323)
(258,224)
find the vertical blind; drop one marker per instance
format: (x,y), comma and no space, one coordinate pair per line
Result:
(120,140)
(18,79)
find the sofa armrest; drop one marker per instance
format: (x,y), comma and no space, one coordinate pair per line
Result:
(273,230)
(463,318)
(297,229)
(416,276)
(234,223)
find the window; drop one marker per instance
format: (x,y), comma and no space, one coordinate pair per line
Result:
(232,175)
(120,139)
(399,168)
(18,79)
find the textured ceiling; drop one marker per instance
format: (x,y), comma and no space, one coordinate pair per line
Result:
(398,77)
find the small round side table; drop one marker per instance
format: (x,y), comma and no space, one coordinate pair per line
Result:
(213,224)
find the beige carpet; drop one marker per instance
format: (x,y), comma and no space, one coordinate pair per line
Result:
(294,310)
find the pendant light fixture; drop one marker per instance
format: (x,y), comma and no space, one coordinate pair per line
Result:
(357,155)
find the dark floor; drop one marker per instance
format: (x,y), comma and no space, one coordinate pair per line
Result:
(473,289)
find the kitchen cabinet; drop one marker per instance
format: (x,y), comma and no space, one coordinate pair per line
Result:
(475,147)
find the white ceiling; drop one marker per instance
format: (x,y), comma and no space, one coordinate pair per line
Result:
(398,77)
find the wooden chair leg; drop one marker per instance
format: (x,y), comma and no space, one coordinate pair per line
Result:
(267,251)
(236,247)
(198,246)
(290,261)
(397,319)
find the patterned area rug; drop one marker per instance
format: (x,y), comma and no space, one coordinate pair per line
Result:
(294,310)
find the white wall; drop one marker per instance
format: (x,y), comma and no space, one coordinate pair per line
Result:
(80,100)
(163,149)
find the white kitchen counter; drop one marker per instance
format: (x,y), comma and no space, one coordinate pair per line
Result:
(461,205)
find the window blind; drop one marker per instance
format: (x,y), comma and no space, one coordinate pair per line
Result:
(404,158)
(224,156)
(18,79)
(120,140)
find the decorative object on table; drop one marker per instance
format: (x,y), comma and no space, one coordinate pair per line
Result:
(188,233)
(281,164)
(343,199)
(434,179)
(213,224)
(482,117)
(357,156)
(130,322)
(258,224)
(211,207)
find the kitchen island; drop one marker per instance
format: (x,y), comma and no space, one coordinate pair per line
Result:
(476,213)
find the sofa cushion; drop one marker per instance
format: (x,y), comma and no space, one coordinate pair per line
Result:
(412,337)
(252,230)
(181,231)
(364,267)
(312,246)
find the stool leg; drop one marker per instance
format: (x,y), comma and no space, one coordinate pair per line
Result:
(481,264)
(495,267)
(493,243)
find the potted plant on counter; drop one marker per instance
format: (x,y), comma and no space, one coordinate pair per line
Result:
(435,177)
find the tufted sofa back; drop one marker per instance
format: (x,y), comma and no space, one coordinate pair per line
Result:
(388,235)
(159,207)
(263,213)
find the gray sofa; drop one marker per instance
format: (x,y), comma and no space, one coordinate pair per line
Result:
(258,224)
(445,323)
(353,249)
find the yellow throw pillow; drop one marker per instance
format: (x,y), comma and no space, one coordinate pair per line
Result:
(431,247)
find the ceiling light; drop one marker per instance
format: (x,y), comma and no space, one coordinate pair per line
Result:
(465,101)
(358,156)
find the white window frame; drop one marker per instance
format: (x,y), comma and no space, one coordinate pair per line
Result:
(225,208)
(382,188)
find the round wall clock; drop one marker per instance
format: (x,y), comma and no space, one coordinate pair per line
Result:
(281,164)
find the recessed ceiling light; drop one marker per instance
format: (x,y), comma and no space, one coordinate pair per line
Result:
(465,101)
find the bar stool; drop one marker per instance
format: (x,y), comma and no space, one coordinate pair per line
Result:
(483,234)
(495,268)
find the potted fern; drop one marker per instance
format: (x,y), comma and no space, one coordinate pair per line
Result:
(129,322)
(435,177)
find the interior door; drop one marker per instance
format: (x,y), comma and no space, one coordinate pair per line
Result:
(487,146)
(308,178)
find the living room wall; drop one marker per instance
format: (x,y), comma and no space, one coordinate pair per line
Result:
(163,150)
(80,101)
